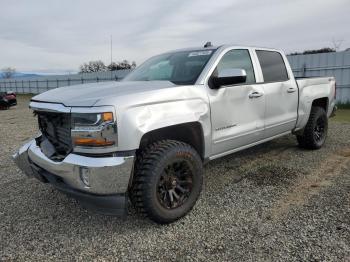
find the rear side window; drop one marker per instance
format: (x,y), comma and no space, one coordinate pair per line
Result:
(272,66)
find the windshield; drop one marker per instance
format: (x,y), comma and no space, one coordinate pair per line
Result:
(181,68)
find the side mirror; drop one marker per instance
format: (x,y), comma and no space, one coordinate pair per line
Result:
(228,76)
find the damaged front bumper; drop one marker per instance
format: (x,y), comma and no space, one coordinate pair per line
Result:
(100,183)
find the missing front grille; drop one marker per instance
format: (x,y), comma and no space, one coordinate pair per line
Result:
(56,128)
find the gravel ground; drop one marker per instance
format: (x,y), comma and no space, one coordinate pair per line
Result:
(272,202)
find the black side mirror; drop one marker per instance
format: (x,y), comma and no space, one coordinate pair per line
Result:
(227,77)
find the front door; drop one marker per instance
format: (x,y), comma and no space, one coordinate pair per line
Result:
(237,111)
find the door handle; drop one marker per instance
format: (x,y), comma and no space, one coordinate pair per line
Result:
(255,94)
(291,90)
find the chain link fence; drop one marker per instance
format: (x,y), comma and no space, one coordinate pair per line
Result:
(36,85)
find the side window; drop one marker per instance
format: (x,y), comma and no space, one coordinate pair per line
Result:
(272,66)
(240,59)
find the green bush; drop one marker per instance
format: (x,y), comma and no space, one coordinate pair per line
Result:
(345,105)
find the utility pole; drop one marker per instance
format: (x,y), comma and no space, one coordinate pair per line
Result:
(111,55)
(111,49)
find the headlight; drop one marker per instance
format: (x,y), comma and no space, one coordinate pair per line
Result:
(94,129)
(90,119)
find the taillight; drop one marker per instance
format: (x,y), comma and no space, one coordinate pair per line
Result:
(335,90)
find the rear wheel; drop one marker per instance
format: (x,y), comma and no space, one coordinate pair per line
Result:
(168,180)
(315,131)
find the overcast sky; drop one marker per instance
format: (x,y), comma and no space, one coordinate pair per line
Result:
(52,36)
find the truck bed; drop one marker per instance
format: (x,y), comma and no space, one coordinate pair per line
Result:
(312,81)
(311,88)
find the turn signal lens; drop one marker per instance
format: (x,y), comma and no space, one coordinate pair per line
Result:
(108,116)
(92,142)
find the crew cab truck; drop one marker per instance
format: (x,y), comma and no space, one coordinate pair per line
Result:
(146,137)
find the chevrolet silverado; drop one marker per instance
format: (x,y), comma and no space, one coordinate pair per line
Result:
(146,138)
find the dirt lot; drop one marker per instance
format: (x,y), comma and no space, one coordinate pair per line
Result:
(271,202)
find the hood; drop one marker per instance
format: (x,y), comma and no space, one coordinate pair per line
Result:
(92,93)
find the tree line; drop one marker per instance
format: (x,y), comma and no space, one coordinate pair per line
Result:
(7,72)
(316,51)
(89,67)
(99,66)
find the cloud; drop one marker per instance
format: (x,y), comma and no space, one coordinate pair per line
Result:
(61,35)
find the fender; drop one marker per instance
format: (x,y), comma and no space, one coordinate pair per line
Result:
(139,119)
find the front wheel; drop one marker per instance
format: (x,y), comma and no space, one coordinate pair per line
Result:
(315,131)
(167,181)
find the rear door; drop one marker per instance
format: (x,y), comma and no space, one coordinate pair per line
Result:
(281,93)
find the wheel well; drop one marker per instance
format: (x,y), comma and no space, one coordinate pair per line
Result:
(321,102)
(190,133)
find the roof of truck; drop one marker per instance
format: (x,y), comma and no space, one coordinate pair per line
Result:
(200,48)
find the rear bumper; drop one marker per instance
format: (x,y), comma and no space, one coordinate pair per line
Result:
(98,182)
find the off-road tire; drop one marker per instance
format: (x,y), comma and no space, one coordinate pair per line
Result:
(150,167)
(312,138)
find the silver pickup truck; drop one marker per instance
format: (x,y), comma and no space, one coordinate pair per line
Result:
(146,138)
